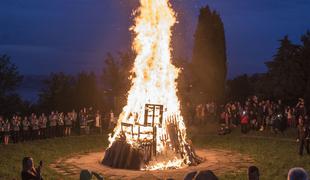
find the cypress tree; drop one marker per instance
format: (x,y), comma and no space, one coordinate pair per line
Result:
(209,57)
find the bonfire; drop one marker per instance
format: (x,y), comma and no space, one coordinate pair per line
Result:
(151,133)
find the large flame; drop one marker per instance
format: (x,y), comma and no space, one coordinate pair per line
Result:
(154,79)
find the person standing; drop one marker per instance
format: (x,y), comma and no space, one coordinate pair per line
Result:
(91,118)
(289,116)
(26,130)
(43,126)
(34,127)
(1,129)
(83,124)
(20,128)
(75,123)
(60,125)
(16,129)
(260,116)
(68,124)
(234,115)
(244,122)
(98,123)
(53,123)
(300,108)
(303,136)
(112,120)
(7,128)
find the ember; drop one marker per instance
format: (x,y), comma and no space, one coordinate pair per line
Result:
(151,133)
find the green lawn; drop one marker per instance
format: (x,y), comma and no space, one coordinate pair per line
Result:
(48,151)
(273,154)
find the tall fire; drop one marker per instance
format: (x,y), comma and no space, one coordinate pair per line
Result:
(150,133)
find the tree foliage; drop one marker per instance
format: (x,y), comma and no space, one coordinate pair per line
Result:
(287,75)
(87,92)
(10,102)
(57,93)
(9,76)
(239,88)
(64,92)
(285,72)
(116,78)
(209,57)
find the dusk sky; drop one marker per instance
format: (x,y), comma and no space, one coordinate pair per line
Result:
(44,36)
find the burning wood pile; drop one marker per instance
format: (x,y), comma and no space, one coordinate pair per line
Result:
(151,133)
(123,155)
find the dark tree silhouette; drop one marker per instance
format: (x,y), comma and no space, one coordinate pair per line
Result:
(57,93)
(209,57)
(285,74)
(9,76)
(87,91)
(116,78)
(305,56)
(239,88)
(184,81)
(10,102)
(64,92)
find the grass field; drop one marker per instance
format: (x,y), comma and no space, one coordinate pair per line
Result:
(46,150)
(273,154)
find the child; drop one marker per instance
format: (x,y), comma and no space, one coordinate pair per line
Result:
(244,122)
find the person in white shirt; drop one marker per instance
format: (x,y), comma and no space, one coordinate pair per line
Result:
(98,122)
(112,120)
(68,123)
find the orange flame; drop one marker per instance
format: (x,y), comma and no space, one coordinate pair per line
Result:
(154,80)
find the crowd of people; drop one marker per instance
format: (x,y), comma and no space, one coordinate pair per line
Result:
(265,114)
(55,124)
(257,115)
(251,115)
(260,115)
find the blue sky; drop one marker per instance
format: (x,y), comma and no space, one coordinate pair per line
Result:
(44,36)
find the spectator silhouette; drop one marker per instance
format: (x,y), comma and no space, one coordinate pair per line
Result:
(87,175)
(29,172)
(253,173)
(201,175)
(297,174)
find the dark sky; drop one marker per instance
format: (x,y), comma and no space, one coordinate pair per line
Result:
(44,36)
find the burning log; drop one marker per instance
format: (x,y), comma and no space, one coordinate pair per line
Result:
(186,149)
(122,155)
(194,159)
(173,134)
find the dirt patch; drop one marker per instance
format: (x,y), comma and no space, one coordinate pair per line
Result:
(219,161)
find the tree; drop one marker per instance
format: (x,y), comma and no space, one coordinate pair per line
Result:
(116,78)
(305,56)
(86,92)
(58,93)
(240,88)
(64,92)
(9,76)
(287,76)
(209,57)
(10,102)
(285,72)
(184,81)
